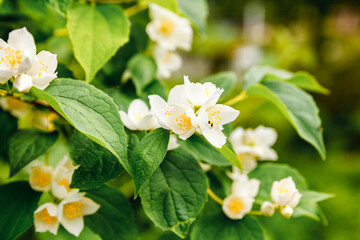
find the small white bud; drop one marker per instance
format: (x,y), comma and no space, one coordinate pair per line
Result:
(286,211)
(267,208)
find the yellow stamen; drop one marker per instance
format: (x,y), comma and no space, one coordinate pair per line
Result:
(284,190)
(184,122)
(72,210)
(166,27)
(236,206)
(41,179)
(44,215)
(213,117)
(11,58)
(64,183)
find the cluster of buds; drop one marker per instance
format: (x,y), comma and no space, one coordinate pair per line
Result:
(72,206)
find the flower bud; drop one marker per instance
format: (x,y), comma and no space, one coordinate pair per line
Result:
(267,208)
(286,211)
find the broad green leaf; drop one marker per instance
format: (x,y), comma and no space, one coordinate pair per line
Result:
(197,11)
(300,79)
(96,33)
(297,106)
(11,127)
(97,164)
(308,82)
(204,151)
(257,73)
(26,145)
(90,111)
(269,172)
(308,206)
(147,156)
(155,87)
(18,203)
(224,80)
(142,70)
(59,5)
(115,218)
(175,193)
(169,4)
(219,227)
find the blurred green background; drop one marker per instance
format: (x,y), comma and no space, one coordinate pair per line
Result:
(321,37)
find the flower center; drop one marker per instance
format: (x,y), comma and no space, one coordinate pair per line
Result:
(213,117)
(72,210)
(184,122)
(284,191)
(43,68)
(138,116)
(249,138)
(41,179)
(236,206)
(44,215)
(166,27)
(64,183)
(11,58)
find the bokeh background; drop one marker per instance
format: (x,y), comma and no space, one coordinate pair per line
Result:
(321,37)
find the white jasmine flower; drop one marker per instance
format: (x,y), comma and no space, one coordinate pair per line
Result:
(173,144)
(63,172)
(15,106)
(182,121)
(252,145)
(40,178)
(169,30)
(285,195)
(240,202)
(138,117)
(236,206)
(212,117)
(17,55)
(267,208)
(166,61)
(41,73)
(45,218)
(72,209)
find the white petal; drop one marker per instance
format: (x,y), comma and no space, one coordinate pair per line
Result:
(42,82)
(88,206)
(176,95)
(127,121)
(180,122)
(173,144)
(48,61)
(5,75)
(137,106)
(196,94)
(22,40)
(227,114)
(43,226)
(23,83)
(267,208)
(73,226)
(148,122)
(265,153)
(265,136)
(295,200)
(236,136)
(213,135)
(159,107)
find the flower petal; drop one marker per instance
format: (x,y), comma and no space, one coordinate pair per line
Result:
(73,226)
(127,121)
(49,60)
(42,82)
(213,135)
(23,83)
(22,40)
(265,136)
(88,206)
(148,122)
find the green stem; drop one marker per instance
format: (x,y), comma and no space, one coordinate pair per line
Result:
(259,213)
(135,9)
(214,196)
(242,96)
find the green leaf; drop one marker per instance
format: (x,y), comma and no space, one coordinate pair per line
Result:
(219,227)
(308,206)
(169,4)
(86,234)
(269,172)
(26,145)
(224,80)
(230,156)
(97,164)
(121,100)
(11,127)
(297,106)
(155,87)
(90,111)
(300,79)
(115,218)
(142,70)
(176,192)
(197,11)
(18,203)
(96,33)
(204,151)
(59,5)
(308,82)
(147,156)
